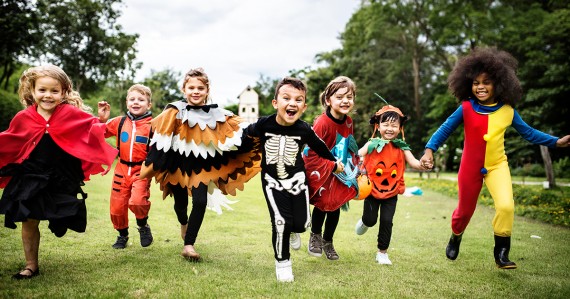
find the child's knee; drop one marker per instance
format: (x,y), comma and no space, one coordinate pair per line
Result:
(370,222)
(298,228)
(386,223)
(505,208)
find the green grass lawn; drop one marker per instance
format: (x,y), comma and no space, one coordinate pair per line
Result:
(238,258)
(518,179)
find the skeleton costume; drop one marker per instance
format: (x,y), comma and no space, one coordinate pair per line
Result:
(283,176)
(197,150)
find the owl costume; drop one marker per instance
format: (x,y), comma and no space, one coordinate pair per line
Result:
(200,144)
(195,149)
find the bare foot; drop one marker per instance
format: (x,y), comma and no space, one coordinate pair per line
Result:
(190,253)
(183,229)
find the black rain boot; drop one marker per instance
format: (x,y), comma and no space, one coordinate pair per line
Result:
(452,250)
(501,251)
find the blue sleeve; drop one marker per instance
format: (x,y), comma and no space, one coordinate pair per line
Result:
(531,134)
(445,130)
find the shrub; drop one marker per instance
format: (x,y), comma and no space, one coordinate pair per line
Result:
(546,205)
(9,106)
(562,168)
(533,170)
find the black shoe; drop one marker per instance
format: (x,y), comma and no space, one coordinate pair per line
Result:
(19,276)
(329,250)
(121,242)
(501,252)
(452,250)
(146,236)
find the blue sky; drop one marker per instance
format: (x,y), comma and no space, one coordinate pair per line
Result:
(234,40)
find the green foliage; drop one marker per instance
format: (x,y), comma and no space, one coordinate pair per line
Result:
(265,88)
(547,205)
(387,43)
(19,24)
(562,167)
(165,88)
(9,106)
(163,84)
(85,40)
(233,108)
(533,170)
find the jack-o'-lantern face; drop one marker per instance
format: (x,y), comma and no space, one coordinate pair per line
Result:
(385,171)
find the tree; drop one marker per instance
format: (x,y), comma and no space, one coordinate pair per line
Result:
(165,88)
(163,84)
(265,88)
(84,39)
(404,51)
(19,25)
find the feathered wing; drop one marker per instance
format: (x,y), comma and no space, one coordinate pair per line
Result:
(190,147)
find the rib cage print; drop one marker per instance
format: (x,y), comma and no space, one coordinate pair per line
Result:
(281,150)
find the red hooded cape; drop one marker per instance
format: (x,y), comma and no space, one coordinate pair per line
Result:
(75,131)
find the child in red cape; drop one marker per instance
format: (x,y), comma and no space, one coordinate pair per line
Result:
(50,148)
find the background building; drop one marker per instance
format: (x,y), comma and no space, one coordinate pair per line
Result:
(248,105)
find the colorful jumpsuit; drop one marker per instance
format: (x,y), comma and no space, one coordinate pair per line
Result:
(129,191)
(484,159)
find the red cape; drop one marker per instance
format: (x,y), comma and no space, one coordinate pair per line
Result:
(76,132)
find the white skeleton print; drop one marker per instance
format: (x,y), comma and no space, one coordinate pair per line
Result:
(281,150)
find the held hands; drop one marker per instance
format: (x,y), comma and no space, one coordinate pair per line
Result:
(563,142)
(426,161)
(339,167)
(104,111)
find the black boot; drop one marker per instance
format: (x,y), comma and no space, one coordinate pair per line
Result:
(452,250)
(501,251)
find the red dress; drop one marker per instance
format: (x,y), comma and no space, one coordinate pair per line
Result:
(328,191)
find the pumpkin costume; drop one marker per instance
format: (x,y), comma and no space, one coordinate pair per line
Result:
(384,163)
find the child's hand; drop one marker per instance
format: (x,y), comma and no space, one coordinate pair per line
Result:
(426,160)
(104,111)
(339,167)
(563,142)
(427,166)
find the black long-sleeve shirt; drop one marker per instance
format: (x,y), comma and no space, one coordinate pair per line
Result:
(282,146)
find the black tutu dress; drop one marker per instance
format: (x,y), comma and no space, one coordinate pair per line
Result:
(46,187)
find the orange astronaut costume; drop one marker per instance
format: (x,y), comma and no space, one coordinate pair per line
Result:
(129,192)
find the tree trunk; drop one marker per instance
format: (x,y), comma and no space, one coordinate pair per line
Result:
(547,165)
(416,74)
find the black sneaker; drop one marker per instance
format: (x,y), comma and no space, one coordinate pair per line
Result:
(121,242)
(146,236)
(315,245)
(329,250)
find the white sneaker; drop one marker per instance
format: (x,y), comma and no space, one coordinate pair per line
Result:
(360,228)
(284,271)
(295,241)
(382,259)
